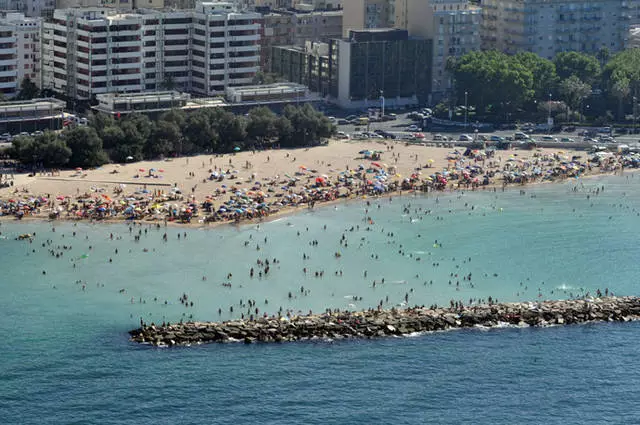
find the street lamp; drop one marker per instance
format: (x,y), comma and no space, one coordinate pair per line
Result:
(382,102)
(634,113)
(549,117)
(466,96)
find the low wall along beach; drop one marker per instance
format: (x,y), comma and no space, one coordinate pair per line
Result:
(374,323)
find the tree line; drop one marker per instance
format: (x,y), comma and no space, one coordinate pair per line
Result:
(497,83)
(136,137)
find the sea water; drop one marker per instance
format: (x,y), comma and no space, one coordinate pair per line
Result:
(66,357)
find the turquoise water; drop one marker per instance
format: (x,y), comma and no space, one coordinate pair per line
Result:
(66,357)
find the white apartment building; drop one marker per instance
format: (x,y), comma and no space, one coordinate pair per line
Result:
(30,8)
(547,27)
(92,51)
(19,52)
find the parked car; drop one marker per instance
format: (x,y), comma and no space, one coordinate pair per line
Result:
(519,135)
(495,138)
(413,127)
(437,138)
(465,138)
(567,140)
(343,122)
(6,137)
(342,135)
(549,139)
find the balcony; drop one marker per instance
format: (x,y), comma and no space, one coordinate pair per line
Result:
(244,69)
(9,73)
(248,27)
(244,59)
(126,65)
(8,62)
(8,85)
(253,37)
(134,43)
(9,51)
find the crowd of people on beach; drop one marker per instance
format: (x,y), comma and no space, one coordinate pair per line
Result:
(252,199)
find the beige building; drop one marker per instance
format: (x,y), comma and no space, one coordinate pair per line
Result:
(366,14)
(286,29)
(453,25)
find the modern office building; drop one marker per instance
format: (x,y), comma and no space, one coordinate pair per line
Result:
(546,27)
(93,51)
(383,62)
(19,52)
(453,25)
(358,71)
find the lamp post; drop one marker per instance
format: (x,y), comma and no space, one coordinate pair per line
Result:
(549,116)
(382,103)
(634,114)
(466,98)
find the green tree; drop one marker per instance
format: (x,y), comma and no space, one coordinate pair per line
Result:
(112,136)
(261,124)
(574,91)
(164,139)
(545,78)
(620,90)
(100,121)
(47,150)
(199,133)
(28,90)
(229,127)
(583,66)
(493,78)
(86,147)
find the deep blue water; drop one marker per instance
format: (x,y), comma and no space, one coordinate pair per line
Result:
(66,359)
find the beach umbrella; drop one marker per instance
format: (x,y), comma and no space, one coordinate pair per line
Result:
(78,169)
(236,149)
(141,170)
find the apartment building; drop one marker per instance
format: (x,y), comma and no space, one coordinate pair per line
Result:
(364,14)
(547,27)
(30,8)
(92,51)
(19,52)
(453,25)
(282,28)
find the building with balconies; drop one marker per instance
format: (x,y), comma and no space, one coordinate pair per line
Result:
(19,52)
(202,51)
(454,27)
(546,27)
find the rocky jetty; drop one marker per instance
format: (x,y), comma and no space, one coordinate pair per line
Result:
(374,323)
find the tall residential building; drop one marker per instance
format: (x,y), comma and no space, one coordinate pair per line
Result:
(365,14)
(454,26)
(19,52)
(202,51)
(547,27)
(30,8)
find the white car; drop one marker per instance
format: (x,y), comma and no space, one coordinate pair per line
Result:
(549,139)
(465,138)
(413,127)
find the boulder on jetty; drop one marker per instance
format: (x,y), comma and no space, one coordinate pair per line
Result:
(394,322)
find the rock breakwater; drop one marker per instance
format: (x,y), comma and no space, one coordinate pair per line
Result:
(394,322)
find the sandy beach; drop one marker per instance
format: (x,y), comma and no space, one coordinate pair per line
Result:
(266,178)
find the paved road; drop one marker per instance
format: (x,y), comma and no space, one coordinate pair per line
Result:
(400,125)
